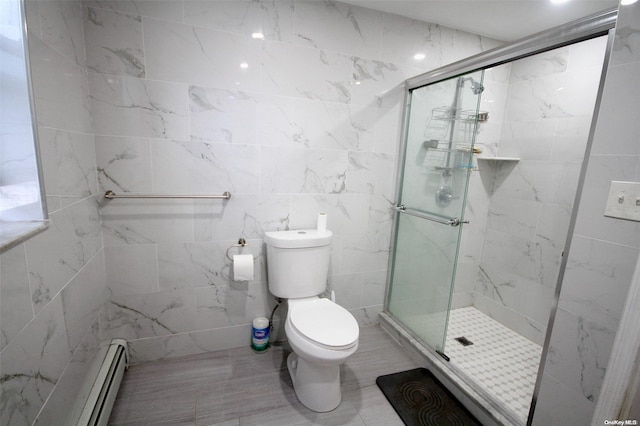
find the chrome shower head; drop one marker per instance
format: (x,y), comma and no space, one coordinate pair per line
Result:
(476,87)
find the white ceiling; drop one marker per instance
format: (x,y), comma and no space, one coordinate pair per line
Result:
(505,20)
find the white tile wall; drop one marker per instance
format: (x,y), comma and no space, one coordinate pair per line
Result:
(52,287)
(603,250)
(310,124)
(547,103)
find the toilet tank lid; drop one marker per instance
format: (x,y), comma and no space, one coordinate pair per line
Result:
(298,239)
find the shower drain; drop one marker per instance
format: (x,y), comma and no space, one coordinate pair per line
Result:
(464,341)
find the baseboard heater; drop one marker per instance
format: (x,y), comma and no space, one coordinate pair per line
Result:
(102,395)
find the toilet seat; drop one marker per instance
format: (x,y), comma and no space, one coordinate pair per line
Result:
(324,323)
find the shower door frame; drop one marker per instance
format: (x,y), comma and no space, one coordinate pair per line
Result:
(592,26)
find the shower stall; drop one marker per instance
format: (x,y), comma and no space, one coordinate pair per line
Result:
(491,162)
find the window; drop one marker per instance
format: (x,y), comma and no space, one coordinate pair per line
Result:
(22,208)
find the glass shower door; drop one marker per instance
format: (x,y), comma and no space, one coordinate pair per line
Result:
(437,161)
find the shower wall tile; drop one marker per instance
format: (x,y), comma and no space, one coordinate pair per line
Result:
(517,218)
(346,213)
(355,290)
(113,42)
(152,314)
(213,168)
(554,96)
(295,170)
(374,80)
(55,78)
(526,297)
(570,138)
(369,173)
(305,72)
(555,61)
(530,140)
(123,164)
(250,216)
(133,269)
(200,56)
(232,304)
(61,25)
(125,106)
(57,255)
(274,19)
(545,123)
(71,170)
(593,286)
(32,364)
(522,257)
(581,363)
(556,399)
(537,181)
(223,116)
(367,315)
(69,387)
(203,264)
(140,221)
(170,10)
(15,297)
(82,299)
(525,327)
(553,224)
(353,29)
(363,253)
(403,37)
(333,126)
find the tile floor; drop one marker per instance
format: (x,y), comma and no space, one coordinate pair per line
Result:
(500,360)
(238,387)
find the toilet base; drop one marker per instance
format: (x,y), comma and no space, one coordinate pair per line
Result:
(317,386)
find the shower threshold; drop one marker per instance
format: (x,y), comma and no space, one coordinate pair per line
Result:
(462,374)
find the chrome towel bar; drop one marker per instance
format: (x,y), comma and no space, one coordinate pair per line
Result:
(111,195)
(453,221)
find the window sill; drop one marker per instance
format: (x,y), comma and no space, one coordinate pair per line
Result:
(14,233)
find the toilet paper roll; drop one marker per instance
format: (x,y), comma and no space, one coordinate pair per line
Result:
(243,267)
(322,222)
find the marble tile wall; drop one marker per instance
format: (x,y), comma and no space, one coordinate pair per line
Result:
(548,102)
(53,286)
(309,122)
(603,250)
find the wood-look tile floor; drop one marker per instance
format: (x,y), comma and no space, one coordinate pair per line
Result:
(239,387)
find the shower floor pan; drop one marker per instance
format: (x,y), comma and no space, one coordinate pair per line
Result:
(499,360)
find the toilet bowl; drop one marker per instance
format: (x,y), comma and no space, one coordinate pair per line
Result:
(322,334)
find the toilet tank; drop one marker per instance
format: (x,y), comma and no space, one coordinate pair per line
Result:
(298,262)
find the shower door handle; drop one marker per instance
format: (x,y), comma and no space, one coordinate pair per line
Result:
(451,221)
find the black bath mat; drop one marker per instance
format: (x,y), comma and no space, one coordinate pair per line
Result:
(420,399)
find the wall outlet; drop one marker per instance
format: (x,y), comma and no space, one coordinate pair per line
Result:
(624,201)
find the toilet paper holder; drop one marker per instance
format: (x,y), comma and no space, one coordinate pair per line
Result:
(241,243)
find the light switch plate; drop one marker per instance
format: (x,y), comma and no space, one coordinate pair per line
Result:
(623,201)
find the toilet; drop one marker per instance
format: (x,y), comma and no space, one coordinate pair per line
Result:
(322,334)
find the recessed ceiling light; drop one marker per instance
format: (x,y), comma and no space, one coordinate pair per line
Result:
(419,56)
(258,36)
(627,2)
(244,65)
(558,1)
